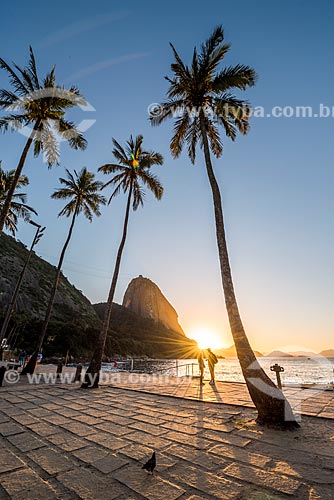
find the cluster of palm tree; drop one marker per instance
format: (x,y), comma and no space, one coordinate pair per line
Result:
(201,86)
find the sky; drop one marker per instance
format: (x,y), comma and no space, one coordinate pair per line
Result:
(276,182)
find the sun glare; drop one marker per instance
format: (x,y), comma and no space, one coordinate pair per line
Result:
(207,338)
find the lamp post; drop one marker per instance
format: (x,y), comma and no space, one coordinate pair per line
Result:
(37,237)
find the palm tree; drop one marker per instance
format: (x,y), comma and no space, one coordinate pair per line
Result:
(18,207)
(201,97)
(41,105)
(132,174)
(83,191)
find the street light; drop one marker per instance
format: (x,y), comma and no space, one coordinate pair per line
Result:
(38,235)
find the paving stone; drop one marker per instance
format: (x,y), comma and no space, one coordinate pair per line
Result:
(79,429)
(117,430)
(9,429)
(51,461)
(196,441)
(149,428)
(25,419)
(314,474)
(198,457)
(214,426)
(9,461)
(67,441)
(107,440)
(259,477)
(153,420)
(39,412)
(56,419)
(88,419)
(187,429)
(89,485)
(151,487)
(90,454)
(136,451)
(25,484)
(205,482)
(240,455)
(117,419)
(4,418)
(234,439)
(259,495)
(155,442)
(26,441)
(321,493)
(43,429)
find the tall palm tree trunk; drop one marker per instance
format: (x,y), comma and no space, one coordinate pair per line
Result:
(18,172)
(31,365)
(92,375)
(271,404)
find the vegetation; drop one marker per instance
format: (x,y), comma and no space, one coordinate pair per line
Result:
(83,191)
(132,172)
(41,104)
(18,207)
(202,95)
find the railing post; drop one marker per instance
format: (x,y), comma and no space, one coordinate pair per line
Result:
(177,367)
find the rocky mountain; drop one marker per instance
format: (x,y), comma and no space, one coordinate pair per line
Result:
(36,286)
(134,335)
(146,299)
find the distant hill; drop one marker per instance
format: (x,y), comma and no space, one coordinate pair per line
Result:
(230,352)
(328,353)
(278,354)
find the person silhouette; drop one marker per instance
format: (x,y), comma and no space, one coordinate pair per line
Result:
(200,359)
(212,360)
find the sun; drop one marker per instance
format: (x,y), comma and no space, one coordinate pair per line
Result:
(206,337)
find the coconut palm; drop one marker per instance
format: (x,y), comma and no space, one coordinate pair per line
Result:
(18,207)
(40,105)
(132,174)
(83,191)
(201,97)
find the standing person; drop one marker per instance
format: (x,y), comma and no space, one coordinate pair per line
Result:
(212,360)
(200,359)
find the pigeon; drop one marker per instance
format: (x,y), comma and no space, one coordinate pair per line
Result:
(150,464)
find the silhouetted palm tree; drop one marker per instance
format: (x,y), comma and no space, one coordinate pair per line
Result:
(83,191)
(18,207)
(132,174)
(201,98)
(41,105)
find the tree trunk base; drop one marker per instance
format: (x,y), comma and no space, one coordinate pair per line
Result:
(31,365)
(281,426)
(91,380)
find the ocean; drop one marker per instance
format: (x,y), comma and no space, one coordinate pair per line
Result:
(297,370)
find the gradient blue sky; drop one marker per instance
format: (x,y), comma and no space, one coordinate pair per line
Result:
(277,182)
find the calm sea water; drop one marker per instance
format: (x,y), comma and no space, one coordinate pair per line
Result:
(296,370)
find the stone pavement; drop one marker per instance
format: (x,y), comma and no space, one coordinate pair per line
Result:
(62,442)
(312,402)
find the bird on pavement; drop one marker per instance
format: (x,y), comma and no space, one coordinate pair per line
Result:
(150,464)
